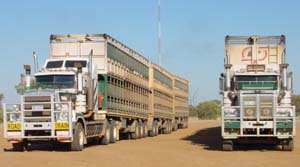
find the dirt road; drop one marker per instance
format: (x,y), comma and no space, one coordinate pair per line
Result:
(199,145)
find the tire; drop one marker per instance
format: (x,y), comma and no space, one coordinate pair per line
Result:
(175,126)
(170,127)
(152,131)
(136,133)
(145,129)
(165,130)
(18,146)
(227,145)
(106,138)
(183,125)
(139,134)
(113,131)
(186,124)
(78,138)
(142,130)
(288,145)
(156,129)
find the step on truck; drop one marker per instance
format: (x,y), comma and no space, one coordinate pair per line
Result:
(92,88)
(256,90)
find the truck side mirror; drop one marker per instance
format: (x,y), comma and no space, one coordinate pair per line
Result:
(290,81)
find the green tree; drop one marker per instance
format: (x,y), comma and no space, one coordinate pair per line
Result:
(1,97)
(296,102)
(206,110)
(193,111)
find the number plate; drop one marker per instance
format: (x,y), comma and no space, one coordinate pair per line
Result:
(61,125)
(249,103)
(37,107)
(13,126)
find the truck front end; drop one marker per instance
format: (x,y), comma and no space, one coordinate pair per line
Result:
(257,90)
(49,106)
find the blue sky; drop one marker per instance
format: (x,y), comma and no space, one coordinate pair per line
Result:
(193,33)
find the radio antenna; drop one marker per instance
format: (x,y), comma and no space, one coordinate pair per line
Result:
(159,34)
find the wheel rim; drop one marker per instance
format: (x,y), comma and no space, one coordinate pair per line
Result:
(137,131)
(115,132)
(107,133)
(142,131)
(81,138)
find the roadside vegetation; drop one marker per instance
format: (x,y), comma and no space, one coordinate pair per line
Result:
(296,102)
(206,110)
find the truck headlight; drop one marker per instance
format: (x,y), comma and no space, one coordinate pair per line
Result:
(266,112)
(249,112)
(16,108)
(284,113)
(231,113)
(65,98)
(61,116)
(57,107)
(14,117)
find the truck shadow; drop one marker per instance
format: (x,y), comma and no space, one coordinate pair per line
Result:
(59,147)
(210,139)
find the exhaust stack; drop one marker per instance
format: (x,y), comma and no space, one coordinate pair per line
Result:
(285,76)
(90,99)
(36,62)
(27,69)
(227,68)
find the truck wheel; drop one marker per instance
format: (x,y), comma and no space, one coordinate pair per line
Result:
(139,130)
(78,138)
(113,131)
(18,146)
(165,130)
(175,126)
(186,124)
(135,134)
(142,130)
(183,125)
(106,138)
(227,145)
(170,127)
(145,129)
(288,145)
(152,131)
(156,129)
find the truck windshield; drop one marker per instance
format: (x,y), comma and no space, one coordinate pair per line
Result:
(56,81)
(54,64)
(256,82)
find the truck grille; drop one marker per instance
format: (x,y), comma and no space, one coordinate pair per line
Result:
(266,106)
(249,107)
(258,105)
(37,106)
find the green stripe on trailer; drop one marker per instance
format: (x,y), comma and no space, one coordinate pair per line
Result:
(284,125)
(232,125)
